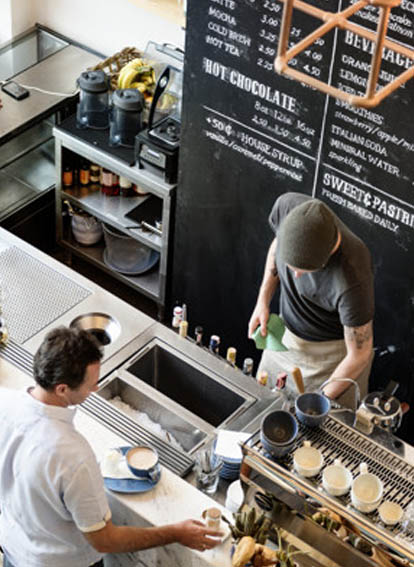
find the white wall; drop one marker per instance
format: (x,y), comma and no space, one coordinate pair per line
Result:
(105,25)
(22,15)
(15,16)
(5,21)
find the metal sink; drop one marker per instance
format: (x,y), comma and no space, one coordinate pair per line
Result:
(177,427)
(185,384)
(187,399)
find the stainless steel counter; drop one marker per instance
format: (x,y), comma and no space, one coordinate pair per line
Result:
(39,293)
(182,386)
(57,73)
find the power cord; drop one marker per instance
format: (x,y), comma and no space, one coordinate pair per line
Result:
(44,91)
(49,92)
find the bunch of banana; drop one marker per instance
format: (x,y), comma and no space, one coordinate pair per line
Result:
(137,75)
(251,524)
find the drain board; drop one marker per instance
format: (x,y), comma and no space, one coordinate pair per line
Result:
(337,440)
(50,293)
(115,420)
(18,356)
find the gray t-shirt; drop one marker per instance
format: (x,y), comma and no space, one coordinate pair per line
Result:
(317,305)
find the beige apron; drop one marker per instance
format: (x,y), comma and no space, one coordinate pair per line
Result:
(316,360)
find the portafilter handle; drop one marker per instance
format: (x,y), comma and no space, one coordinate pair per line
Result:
(357,391)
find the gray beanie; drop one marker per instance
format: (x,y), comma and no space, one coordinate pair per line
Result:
(307,236)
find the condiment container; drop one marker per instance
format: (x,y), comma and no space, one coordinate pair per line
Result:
(213,518)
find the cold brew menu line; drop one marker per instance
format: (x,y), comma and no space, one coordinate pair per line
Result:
(361,160)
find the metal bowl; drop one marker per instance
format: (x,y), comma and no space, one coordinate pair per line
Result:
(103,327)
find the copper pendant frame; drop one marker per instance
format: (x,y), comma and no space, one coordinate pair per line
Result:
(331,20)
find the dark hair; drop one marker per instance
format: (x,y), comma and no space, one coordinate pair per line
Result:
(63,356)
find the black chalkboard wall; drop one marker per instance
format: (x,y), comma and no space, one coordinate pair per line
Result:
(250,135)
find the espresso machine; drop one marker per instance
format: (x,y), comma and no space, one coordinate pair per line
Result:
(294,501)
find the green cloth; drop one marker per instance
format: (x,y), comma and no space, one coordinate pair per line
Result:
(275,332)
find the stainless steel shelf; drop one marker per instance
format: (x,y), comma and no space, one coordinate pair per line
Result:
(112,210)
(148,283)
(141,177)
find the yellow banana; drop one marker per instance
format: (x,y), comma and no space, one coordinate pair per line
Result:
(122,73)
(128,77)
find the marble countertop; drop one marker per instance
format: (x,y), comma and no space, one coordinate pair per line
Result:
(172,500)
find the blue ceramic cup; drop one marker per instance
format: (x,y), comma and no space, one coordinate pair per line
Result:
(312,408)
(276,450)
(278,432)
(143,462)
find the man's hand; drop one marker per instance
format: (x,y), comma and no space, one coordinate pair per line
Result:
(196,535)
(260,316)
(122,539)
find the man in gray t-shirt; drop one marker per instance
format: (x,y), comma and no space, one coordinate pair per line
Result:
(326,296)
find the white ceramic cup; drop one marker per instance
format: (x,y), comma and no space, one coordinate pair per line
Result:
(366,492)
(336,479)
(390,513)
(307,460)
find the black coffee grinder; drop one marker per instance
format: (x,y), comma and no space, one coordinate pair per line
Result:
(157,147)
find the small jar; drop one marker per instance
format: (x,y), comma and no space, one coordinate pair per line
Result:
(115,184)
(183,328)
(231,356)
(213,518)
(214,344)
(67,177)
(139,190)
(125,186)
(177,317)
(262,378)
(198,333)
(248,366)
(94,173)
(84,173)
(106,181)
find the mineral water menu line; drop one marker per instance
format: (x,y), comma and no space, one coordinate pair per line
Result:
(361,160)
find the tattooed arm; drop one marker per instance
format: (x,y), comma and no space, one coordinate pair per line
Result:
(358,341)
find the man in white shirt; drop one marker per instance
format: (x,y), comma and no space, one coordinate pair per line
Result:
(54,510)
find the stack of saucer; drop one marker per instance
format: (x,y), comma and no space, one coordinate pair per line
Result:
(231,466)
(230,469)
(227,446)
